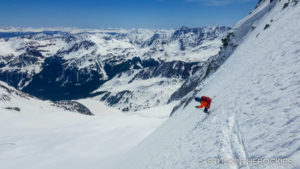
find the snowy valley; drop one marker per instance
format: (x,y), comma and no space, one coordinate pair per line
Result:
(117,98)
(39,134)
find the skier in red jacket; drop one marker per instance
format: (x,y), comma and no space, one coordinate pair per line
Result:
(205,102)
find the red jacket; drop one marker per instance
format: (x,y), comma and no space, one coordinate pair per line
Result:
(205,102)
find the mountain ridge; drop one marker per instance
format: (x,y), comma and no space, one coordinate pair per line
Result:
(67,66)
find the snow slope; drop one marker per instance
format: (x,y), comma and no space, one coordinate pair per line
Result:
(140,93)
(255,112)
(38,135)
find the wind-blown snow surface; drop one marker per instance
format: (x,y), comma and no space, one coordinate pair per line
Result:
(255,112)
(41,136)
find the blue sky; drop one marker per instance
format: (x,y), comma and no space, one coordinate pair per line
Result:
(123,13)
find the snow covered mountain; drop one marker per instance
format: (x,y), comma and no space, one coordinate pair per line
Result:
(12,100)
(139,68)
(253,80)
(255,110)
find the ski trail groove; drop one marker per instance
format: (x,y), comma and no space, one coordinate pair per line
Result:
(238,148)
(232,146)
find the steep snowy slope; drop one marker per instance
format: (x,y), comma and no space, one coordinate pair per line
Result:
(34,134)
(255,112)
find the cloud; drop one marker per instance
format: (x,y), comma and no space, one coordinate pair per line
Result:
(217,2)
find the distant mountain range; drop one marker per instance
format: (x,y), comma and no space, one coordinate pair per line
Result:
(127,69)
